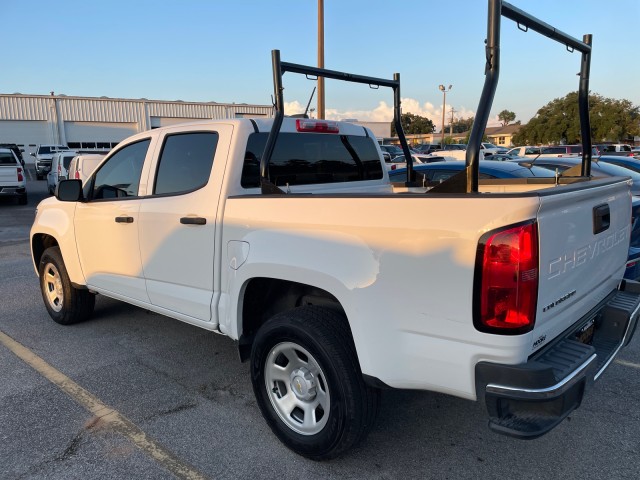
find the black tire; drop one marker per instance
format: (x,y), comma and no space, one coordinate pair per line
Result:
(22,199)
(320,340)
(65,303)
(38,176)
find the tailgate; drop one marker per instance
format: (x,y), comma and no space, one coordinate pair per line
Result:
(8,174)
(584,242)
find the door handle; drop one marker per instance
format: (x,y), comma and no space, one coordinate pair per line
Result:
(193,221)
(124,219)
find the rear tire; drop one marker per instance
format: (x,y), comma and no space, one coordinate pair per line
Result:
(308,383)
(65,303)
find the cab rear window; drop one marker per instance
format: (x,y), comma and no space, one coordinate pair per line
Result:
(311,158)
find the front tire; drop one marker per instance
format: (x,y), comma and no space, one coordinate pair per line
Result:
(65,303)
(308,383)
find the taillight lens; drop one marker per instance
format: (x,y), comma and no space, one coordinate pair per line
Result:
(506,280)
(20,177)
(308,125)
(59,169)
(77,175)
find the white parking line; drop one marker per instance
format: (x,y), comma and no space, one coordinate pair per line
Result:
(103,413)
(628,364)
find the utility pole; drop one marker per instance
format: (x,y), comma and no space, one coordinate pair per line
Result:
(444,108)
(320,58)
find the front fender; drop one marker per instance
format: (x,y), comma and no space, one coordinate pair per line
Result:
(53,225)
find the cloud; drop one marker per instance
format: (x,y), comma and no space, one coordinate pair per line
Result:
(384,112)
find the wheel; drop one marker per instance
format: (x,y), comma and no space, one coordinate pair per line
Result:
(22,199)
(38,176)
(65,303)
(308,384)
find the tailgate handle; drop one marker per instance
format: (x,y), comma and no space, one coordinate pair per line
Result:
(601,218)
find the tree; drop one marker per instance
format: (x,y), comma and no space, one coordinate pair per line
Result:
(506,117)
(559,121)
(461,125)
(413,124)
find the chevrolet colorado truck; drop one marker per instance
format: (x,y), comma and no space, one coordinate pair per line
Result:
(286,235)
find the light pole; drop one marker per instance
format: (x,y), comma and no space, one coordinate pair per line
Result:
(444,107)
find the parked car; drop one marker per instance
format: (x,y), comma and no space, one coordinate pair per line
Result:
(427,147)
(561,150)
(602,169)
(59,168)
(525,151)
(43,155)
(441,171)
(393,150)
(616,149)
(631,163)
(82,166)
(12,181)
(501,157)
(489,148)
(418,159)
(632,271)
(455,146)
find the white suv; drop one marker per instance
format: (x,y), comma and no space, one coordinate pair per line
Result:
(59,168)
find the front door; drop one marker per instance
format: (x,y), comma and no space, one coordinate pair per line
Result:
(107,225)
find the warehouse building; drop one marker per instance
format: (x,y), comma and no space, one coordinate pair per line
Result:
(90,123)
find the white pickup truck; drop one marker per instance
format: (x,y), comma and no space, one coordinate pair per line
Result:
(12,176)
(285,235)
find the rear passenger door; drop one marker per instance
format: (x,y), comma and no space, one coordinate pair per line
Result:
(178,221)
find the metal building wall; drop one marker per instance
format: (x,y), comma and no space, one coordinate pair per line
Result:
(60,112)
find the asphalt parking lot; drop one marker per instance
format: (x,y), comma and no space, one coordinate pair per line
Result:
(191,412)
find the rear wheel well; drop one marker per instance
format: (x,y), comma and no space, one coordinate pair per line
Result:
(265,297)
(39,243)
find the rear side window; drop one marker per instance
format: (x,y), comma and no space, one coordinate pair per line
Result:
(185,162)
(312,158)
(6,158)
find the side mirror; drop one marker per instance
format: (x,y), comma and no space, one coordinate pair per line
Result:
(22,150)
(69,191)
(32,154)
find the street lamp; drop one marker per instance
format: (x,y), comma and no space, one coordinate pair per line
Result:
(444,107)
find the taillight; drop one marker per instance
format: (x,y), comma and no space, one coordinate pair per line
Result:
(77,175)
(506,280)
(20,177)
(59,170)
(393,167)
(308,125)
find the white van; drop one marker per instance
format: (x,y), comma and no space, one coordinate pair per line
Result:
(59,169)
(82,166)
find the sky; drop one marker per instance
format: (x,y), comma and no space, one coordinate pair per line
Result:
(214,50)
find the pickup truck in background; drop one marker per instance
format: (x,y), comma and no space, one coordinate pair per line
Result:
(622,150)
(12,181)
(287,236)
(43,156)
